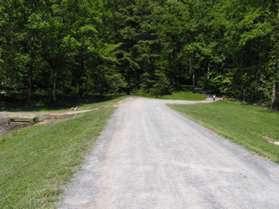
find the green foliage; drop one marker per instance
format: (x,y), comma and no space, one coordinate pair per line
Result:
(220,83)
(83,48)
(88,29)
(36,119)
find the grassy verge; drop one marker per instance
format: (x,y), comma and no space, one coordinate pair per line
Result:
(182,95)
(250,126)
(37,162)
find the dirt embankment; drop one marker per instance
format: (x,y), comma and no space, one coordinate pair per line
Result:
(16,120)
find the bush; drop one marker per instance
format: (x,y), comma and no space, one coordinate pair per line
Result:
(36,119)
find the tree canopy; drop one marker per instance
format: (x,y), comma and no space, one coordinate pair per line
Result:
(82,48)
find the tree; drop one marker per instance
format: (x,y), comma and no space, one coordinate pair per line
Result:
(82,48)
(275,57)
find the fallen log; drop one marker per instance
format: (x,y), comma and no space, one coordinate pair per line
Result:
(21,120)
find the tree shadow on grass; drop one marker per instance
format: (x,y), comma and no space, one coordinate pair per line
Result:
(38,104)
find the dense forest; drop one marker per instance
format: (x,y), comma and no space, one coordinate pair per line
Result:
(80,48)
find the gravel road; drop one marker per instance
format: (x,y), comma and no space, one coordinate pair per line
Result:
(150,157)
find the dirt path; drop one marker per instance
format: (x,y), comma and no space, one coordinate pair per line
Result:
(150,157)
(31,115)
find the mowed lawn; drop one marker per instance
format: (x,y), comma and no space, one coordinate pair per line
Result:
(250,126)
(37,162)
(184,95)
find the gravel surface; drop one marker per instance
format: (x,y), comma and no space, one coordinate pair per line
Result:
(150,157)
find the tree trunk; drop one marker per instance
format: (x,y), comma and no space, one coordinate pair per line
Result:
(193,74)
(80,81)
(275,89)
(194,81)
(54,65)
(30,84)
(208,72)
(53,90)
(128,91)
(275,86)
(274,99)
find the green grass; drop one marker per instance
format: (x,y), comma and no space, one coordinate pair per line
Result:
(184,95)
(37,162)
(247,125)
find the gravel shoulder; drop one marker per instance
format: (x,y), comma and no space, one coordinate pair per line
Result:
(151,157)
